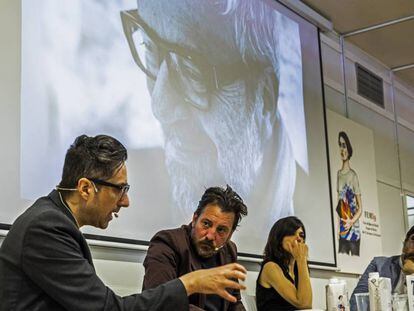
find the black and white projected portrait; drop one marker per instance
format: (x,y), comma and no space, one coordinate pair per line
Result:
(202,93)
(225,79)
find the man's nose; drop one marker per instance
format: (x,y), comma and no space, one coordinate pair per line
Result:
(124,201)
(211,234)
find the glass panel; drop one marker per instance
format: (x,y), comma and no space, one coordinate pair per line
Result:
(410,210)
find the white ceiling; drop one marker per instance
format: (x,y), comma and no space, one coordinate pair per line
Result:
(393,45)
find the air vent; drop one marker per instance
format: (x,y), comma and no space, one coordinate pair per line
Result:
(370,86)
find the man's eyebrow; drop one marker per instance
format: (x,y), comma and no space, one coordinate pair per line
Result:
(224,227)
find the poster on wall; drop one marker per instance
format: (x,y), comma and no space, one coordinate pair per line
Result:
(354,193)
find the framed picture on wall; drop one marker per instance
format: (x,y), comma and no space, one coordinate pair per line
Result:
(355,197)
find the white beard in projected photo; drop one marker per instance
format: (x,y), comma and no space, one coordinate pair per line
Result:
(225,78)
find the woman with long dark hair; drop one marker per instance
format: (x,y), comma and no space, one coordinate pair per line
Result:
(283,282)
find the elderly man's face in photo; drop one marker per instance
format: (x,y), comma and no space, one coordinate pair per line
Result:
(216,109)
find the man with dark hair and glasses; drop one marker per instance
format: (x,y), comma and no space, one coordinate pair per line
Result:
(204,243)
(225,79)
(395,267)
(45,262)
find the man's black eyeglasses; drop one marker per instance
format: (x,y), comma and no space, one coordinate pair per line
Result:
(122,188)
(201,77)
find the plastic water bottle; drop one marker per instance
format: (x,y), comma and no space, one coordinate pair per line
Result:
(336,295)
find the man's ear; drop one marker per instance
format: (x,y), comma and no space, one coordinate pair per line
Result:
(85,188)
(231,234)
(195,216)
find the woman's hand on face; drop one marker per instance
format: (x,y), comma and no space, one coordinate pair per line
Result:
(299,250)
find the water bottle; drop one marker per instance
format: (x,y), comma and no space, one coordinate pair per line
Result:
(336,295)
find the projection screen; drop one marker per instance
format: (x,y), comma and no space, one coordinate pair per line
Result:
(202,93)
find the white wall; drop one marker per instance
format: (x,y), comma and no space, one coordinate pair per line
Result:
(381,121)
(9,99)
(121,268)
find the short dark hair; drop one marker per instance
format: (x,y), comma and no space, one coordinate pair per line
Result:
(274,250)
(92,157)
(406,246)
(228,201)
(347,142)
(409,233)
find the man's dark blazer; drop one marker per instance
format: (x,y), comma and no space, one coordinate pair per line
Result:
(45,264)
(171,254)
(388,267)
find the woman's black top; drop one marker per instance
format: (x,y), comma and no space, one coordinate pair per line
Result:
(268,299)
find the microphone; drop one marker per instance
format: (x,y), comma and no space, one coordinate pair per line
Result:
(218,248)
(65,189)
